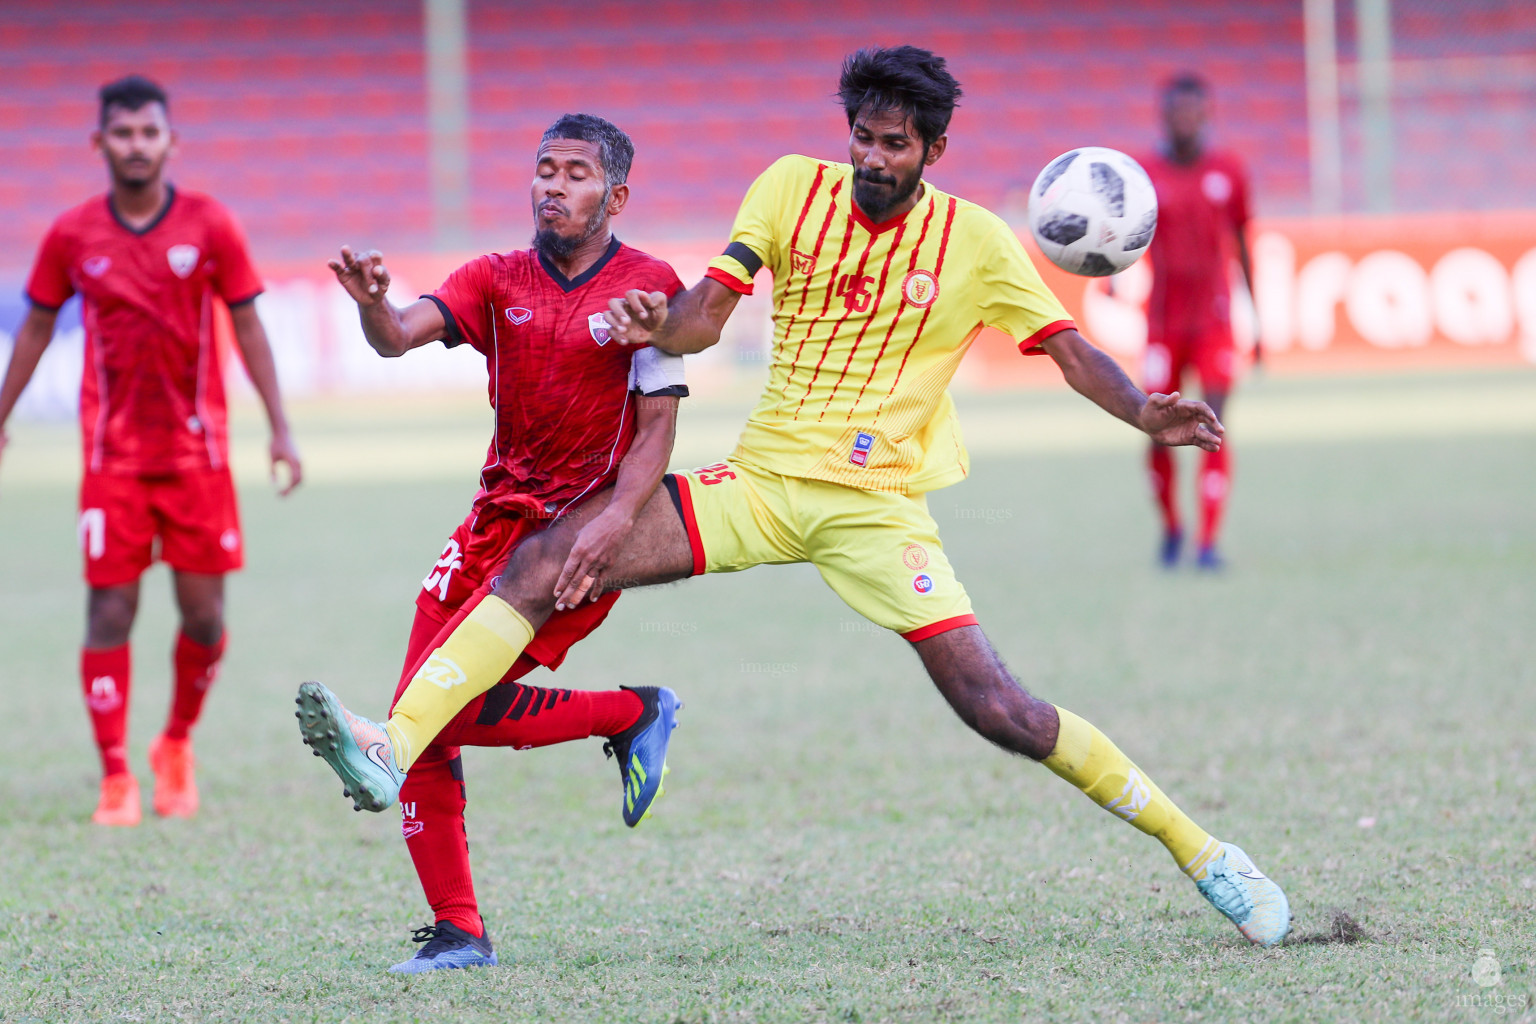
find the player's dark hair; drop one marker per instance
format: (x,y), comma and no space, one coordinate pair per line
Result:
(1186,83)
(616,150)
(900,78)
(131,93)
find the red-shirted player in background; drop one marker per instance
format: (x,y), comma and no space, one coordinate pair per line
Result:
(148,262)
(1202,217)
(575,418)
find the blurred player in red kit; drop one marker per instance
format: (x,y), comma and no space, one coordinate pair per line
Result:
(576,419)
(1202,218)
(149,262)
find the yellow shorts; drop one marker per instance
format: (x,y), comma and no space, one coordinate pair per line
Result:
(879,552)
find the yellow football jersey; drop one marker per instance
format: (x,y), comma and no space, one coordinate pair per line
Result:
(870,323)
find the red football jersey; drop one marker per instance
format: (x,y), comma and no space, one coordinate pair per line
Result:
(562,394)
(152,394)
(1199,208)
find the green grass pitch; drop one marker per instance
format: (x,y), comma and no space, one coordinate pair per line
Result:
(1352,702)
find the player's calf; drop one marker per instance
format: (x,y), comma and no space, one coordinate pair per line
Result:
(986,696)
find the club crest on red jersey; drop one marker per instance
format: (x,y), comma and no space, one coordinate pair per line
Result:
(920,289)
(1216,186)
(598,325)
(183,259)
(801,263)
(518,315)
(97,265)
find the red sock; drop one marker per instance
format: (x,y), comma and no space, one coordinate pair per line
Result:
(521,716)
(104,677)
(432,821)
(1160,468)
(1215,483)
(197,666)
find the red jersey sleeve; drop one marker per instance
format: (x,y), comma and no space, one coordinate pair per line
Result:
(464,299)
(49,286)
(234,275)
(667,280)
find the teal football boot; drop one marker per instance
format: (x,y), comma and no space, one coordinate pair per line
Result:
(357,749)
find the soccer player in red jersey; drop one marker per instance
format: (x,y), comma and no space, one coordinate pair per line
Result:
(150,262)
(575,418)
(1202,218)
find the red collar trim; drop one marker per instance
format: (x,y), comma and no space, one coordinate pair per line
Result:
(868,225)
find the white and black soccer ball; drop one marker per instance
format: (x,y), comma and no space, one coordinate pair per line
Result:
(1092,211)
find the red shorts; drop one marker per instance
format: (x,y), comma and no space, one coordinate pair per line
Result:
(1170,354)
(193,516)
(470,567)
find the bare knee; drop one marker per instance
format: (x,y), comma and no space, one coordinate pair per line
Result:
(200,599)
(1003,712)
(986,696)
(110,612)
(527,582)
(204,625)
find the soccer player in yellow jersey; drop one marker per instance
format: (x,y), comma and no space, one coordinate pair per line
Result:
(881,282)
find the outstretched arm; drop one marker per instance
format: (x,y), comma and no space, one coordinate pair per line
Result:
(690,323)
(391,330)
(1167,419)
(1245,261)
(256,351)
(599,541)
(32,338)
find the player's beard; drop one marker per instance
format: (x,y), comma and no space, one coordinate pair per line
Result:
(877,201)
(558,248)
(136,175)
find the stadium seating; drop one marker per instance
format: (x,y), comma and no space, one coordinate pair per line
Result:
(310,121)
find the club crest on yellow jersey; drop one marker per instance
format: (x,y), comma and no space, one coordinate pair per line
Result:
(920,288)
(914,557)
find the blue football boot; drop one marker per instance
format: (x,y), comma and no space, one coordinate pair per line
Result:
(1172,547)
(641,750)
(448,946)
(1210,560)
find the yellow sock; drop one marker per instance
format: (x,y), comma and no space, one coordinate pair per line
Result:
(471,661)
(1086,758)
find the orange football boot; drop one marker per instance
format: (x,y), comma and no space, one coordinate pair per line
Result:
(175,787)
(119,804)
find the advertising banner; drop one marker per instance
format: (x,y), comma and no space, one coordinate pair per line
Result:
(1372,294)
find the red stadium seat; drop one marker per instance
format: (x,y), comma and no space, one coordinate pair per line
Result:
(284,106)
